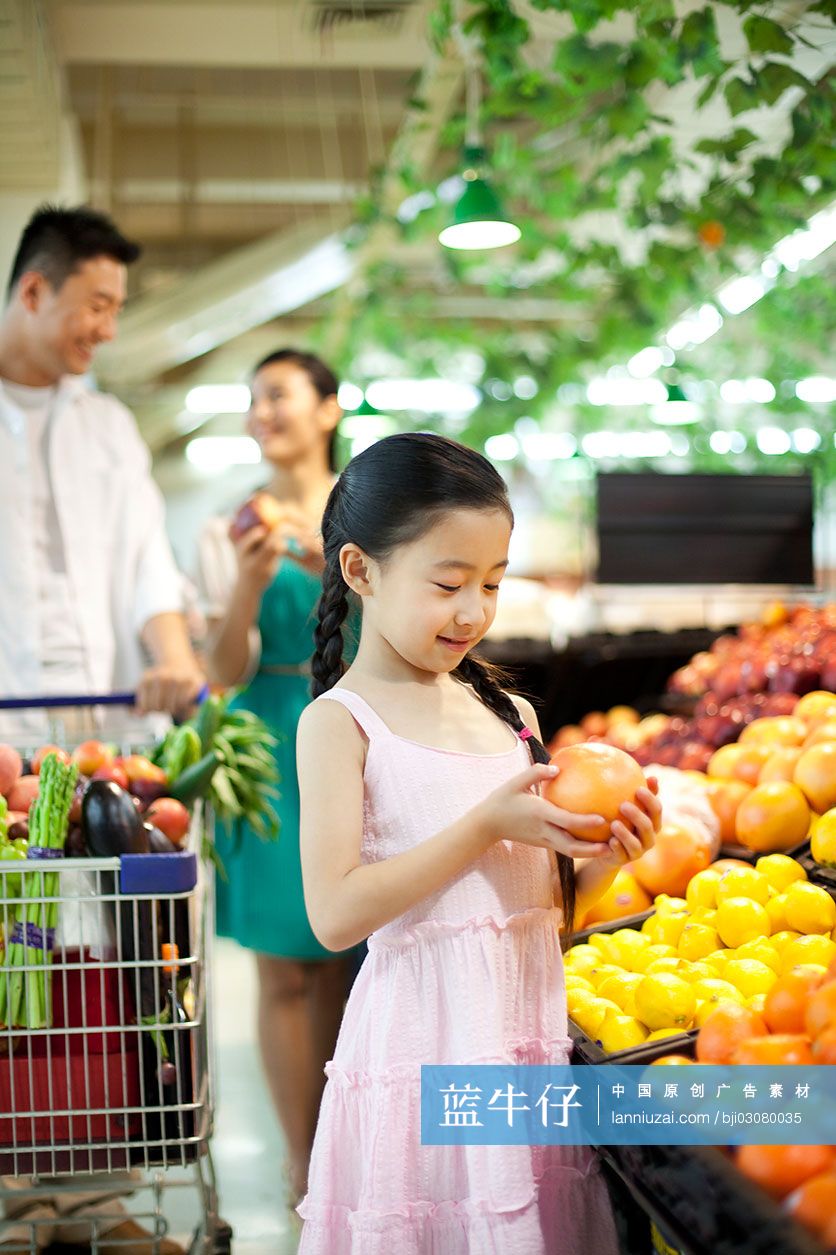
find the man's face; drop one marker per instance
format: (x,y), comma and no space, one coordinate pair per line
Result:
(69,324)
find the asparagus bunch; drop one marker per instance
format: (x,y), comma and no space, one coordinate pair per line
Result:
(26,996)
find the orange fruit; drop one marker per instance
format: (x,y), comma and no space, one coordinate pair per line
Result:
(773,817)
(820,1013)
(723,1031)
(775,730)
(625,896)
(739,762)
(669,1061)
(787,1048)
(815,707)
(781,1169)
(787,1001)
(677,855)
(822,732)
(594,779)
(725,864)
(815,775)
(814,1203)
(824,1047)
(780,765)
(724,797)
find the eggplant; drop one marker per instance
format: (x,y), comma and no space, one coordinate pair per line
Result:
(110,821)
(147,791)
(113,826)
(158,842)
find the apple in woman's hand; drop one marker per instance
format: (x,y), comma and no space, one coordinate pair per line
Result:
(260,510)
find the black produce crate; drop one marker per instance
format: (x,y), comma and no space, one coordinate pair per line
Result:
(704,1205)
(825,876)
(741,852)
(628,921)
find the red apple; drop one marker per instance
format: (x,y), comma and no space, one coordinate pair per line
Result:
(40,755)
(171,817)
(23,793)
(261,510)
(112,771)
(10,767)
(91,755)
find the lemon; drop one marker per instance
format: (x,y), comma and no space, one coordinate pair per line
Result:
(697,941)
(704,915)
(741,919)
(671,964)
(665,904)
(823,839)
(718,960)
(716,990)
(581,959)
(780,870)
(620,1032)
(743,882)
(626,945)
(810,909)
(660,1034)
(702,889)
(782,939)
(708,1006)
(621,990)
(764,951)
(750,976)
(599,974)
(776,909)
(600,942)
(591,1014)
(578,982)
(664,1000)
(703,970)
(812,948)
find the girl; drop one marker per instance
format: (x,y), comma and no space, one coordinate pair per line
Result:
(262,594)
(421,826)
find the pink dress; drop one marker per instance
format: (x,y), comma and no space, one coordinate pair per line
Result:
(472,974)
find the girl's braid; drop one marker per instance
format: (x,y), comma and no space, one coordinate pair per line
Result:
(327,663)
(488,690)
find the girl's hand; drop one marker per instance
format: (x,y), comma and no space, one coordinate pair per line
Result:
(258,553)
(514,812)
(636,831)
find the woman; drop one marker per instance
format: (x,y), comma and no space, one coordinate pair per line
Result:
(262,594)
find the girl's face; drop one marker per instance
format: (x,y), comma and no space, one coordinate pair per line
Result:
(288,417)
(434,599)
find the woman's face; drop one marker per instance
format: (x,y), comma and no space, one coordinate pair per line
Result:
(288,417)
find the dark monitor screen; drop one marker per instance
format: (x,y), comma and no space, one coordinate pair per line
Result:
(705,529)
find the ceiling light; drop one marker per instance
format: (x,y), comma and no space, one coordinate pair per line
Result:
(646,362)
(349,396)
(805,440)
(218,398)
(739,391)
(695,327)
(216,453)
(502,448)
(740,293)
(625,391)
(549,446)
(773,440)
(429,396)
(675,409)
(818,389)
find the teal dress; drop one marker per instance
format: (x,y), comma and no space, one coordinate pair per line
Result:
(262,904)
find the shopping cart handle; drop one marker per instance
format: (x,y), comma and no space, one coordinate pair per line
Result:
(81,699)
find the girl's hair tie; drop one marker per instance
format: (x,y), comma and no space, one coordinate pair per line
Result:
(525,733)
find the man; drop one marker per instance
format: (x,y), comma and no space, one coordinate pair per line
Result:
(91,597)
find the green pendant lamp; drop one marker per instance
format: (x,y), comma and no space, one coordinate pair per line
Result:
(478,218)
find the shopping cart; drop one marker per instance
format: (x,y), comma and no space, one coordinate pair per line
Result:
(106,1065)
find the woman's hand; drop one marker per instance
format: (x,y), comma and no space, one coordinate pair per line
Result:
(636,831)
(301,540)
(514,812)
(258,552)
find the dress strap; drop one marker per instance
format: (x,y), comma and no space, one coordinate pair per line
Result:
(368,719)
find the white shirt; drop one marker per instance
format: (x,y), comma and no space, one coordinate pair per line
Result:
(110,517)
(61,645)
